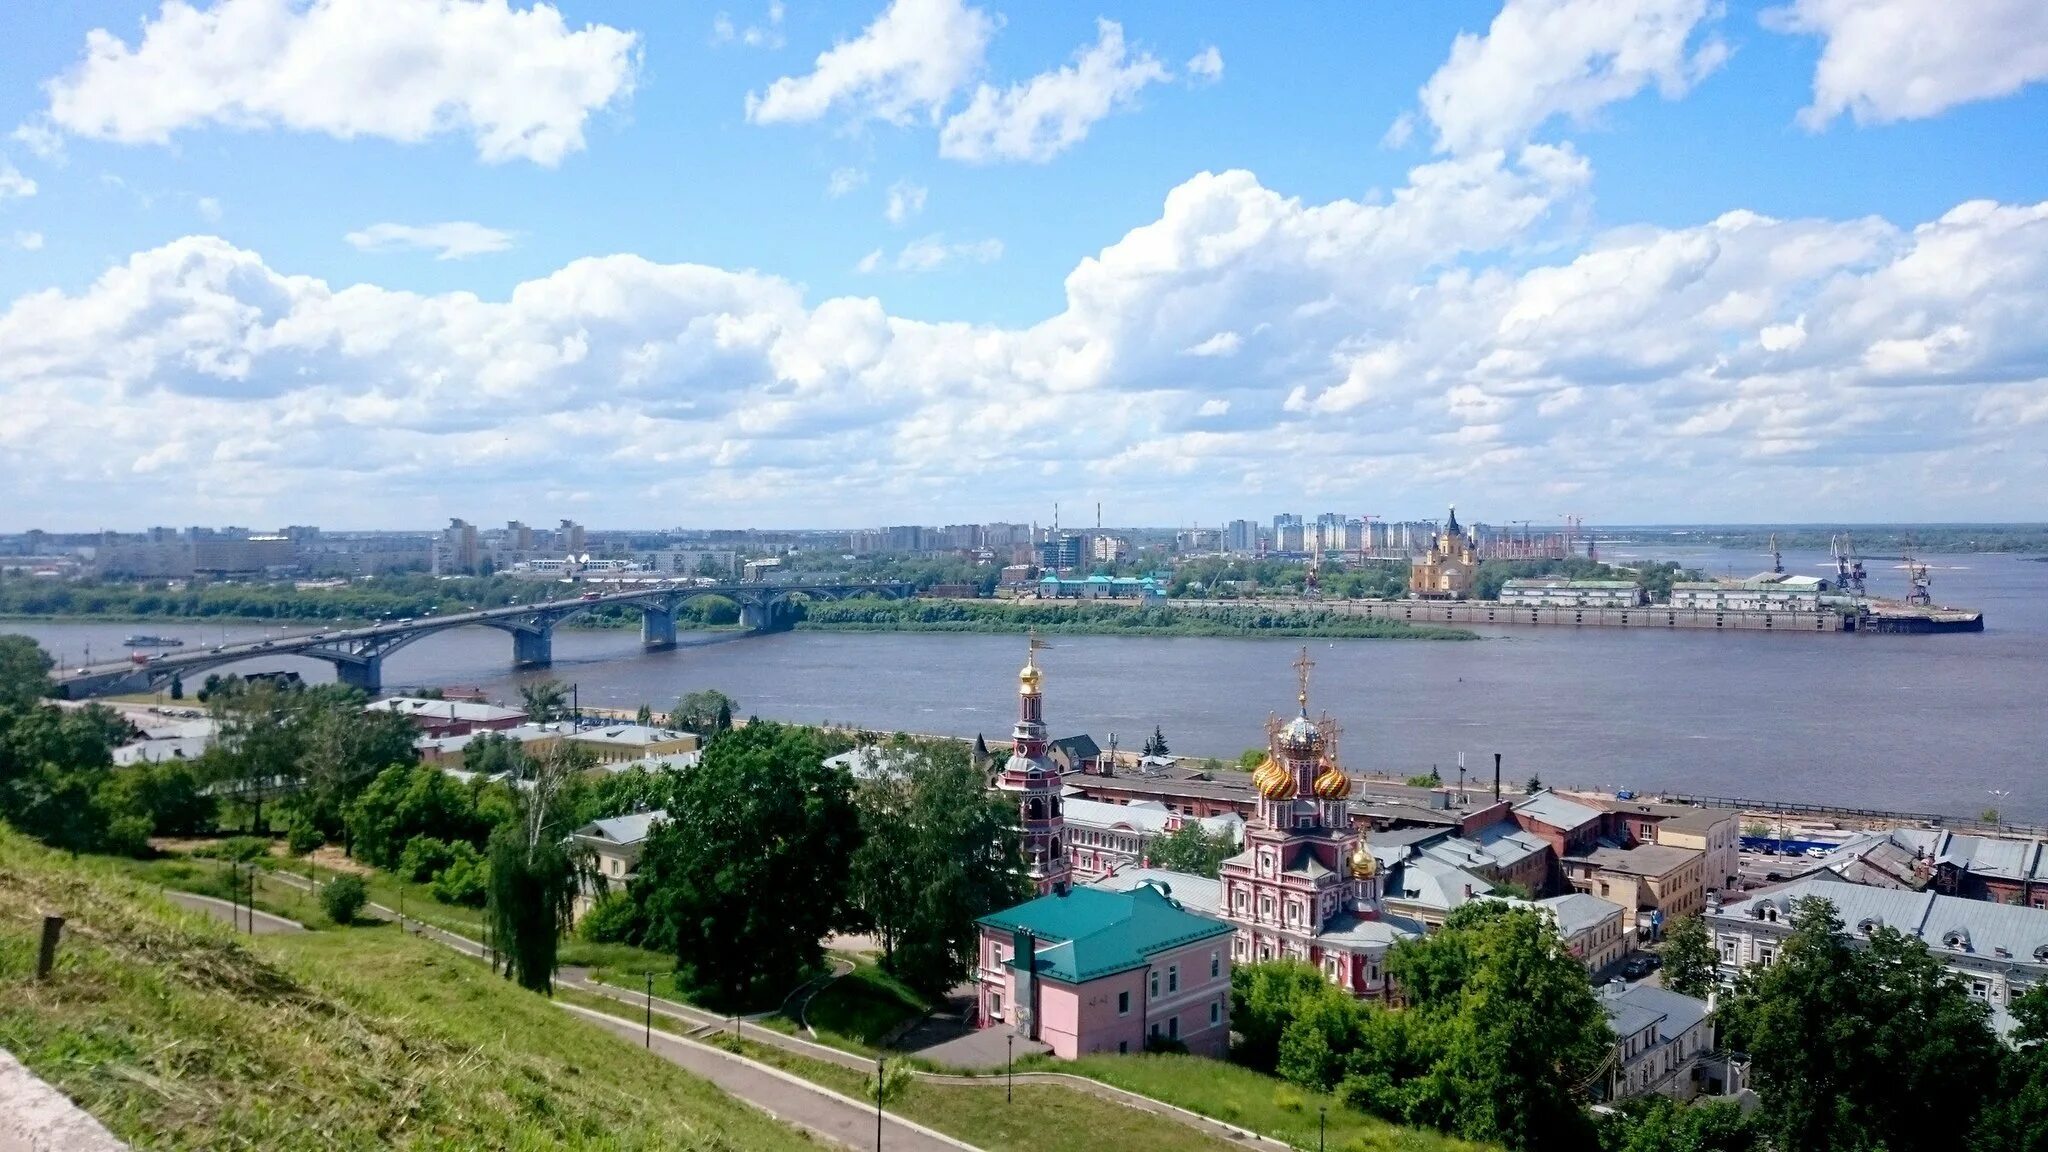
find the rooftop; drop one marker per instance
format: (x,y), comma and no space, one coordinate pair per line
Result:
(1552,809)
(1197,892)
(1087,933)
(1148,816)
(631,735)
(1642,860)
(1636,1007)
(1432,883)
(623,829)
(1948,924)
(452,710)
(1577,912)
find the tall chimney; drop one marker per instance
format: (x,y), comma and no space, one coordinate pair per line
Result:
(1496,777)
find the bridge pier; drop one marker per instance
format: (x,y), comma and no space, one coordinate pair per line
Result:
(365,675)
(534,649)
(657,628)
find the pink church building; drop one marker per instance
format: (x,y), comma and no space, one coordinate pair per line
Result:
(1034,780)
(1085,971)
(1306,887)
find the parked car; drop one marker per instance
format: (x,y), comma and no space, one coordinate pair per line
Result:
(1817,853)
(1637,967)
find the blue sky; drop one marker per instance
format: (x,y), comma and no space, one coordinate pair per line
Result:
(380,262)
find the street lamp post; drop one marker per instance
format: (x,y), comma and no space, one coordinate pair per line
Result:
(878,1102)
(1009,1065)
(648,1040)
(1322,1124)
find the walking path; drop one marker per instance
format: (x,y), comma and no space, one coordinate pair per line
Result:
(701,1024)
(261,923)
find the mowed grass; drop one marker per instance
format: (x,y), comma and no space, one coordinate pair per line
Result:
(1250,1099)
(179,1034)
(1041,1117)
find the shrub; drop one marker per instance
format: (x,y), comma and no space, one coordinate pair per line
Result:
(302,837)
(426,857)
(127,836)
(1288,1098)
(343,897)
(609,921)
(466,880)
(238,848)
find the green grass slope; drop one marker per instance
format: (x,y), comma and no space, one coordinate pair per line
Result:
(178,1034)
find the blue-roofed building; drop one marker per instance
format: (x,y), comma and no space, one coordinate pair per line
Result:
(1088,970)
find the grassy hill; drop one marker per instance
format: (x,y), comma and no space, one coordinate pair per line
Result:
(178,1034)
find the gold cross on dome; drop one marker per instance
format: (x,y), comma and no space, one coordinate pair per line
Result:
(1032,644)
(1301,666)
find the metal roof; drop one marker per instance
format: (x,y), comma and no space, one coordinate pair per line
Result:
(1577,912)
(1432,883)
(1636,1007)
(623,829)
(1094,933)
(1949,925)
(1642,860)
(1149,816)
(1196,892)
(1556,811)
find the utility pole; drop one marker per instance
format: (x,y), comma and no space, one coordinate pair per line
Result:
(647,1041)
(1009,1065)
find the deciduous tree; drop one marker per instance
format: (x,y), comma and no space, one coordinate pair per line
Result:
(1689,959)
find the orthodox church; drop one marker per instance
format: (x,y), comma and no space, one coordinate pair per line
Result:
(1447,570)
(1306,887)
(1034,780)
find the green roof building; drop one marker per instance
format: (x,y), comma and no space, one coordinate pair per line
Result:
(1089,970)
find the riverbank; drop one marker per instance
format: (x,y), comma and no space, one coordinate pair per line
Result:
(1099,619)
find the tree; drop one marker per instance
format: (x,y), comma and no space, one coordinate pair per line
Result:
(706,713)
(1264,999)
(343,897)
(258,747)
(644,717)
(2016,1114)
(534,876)
(937,852)
(341,749)
(1860,1047)
(1156,744)
(1661,1124)
(24,672)
(1249,759)
(1534,784)
(405,803)
(1192,848)
(1689,959)
(544,700)
(749,872)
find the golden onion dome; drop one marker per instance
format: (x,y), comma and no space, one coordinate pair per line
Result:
(1363,866)
(1027,680)
(1274,781)
(1332,783)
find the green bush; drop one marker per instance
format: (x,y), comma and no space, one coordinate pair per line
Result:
(343,897)
(1288,1098)
(425,857)
(127,836)
(241,849)
(302,837)
(466,880)
(609,921)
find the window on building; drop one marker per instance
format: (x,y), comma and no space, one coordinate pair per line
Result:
(1215,1013)
(1155,985)
(1215,965)
(995,1005)
(1237,899)
(1765,953)
(1981,989)
(1123,1003)
(1173,1027)
(1173,977)
(1123,1047)
(1154,1030)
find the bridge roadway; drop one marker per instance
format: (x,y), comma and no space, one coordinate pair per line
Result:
(358,653)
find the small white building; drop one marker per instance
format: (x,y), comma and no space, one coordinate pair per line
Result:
(617,844)
(1104,838)
(1558,592)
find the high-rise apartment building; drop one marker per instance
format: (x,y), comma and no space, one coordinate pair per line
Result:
(1242,536)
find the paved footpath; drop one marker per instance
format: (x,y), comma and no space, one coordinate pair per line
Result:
(825,1113)
(261,923)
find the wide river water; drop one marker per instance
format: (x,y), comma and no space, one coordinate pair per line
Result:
(1951,723)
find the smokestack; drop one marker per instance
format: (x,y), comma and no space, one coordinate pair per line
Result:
(1496,777)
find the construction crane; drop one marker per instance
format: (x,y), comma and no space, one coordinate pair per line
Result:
(1777,557)
(1917,581)
(1849,575)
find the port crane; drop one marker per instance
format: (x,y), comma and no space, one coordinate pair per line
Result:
(1849,575)
(1849,572)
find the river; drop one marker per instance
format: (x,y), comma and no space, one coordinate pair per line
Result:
(1951,723)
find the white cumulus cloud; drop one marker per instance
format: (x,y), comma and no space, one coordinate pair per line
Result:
(13,185)
(931,253)
(1225,343)
(908,62)
(1886,60)
(1571,58)
(1051,112)
(767,34)
(1206,66)
(844,180)
(453,240)
(904,201)
(519,82)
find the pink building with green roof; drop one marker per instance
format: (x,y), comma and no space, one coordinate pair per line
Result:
(1084,971)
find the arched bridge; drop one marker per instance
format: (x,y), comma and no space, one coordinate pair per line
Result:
(358,653)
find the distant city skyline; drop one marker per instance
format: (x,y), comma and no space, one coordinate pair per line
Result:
(866,262)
